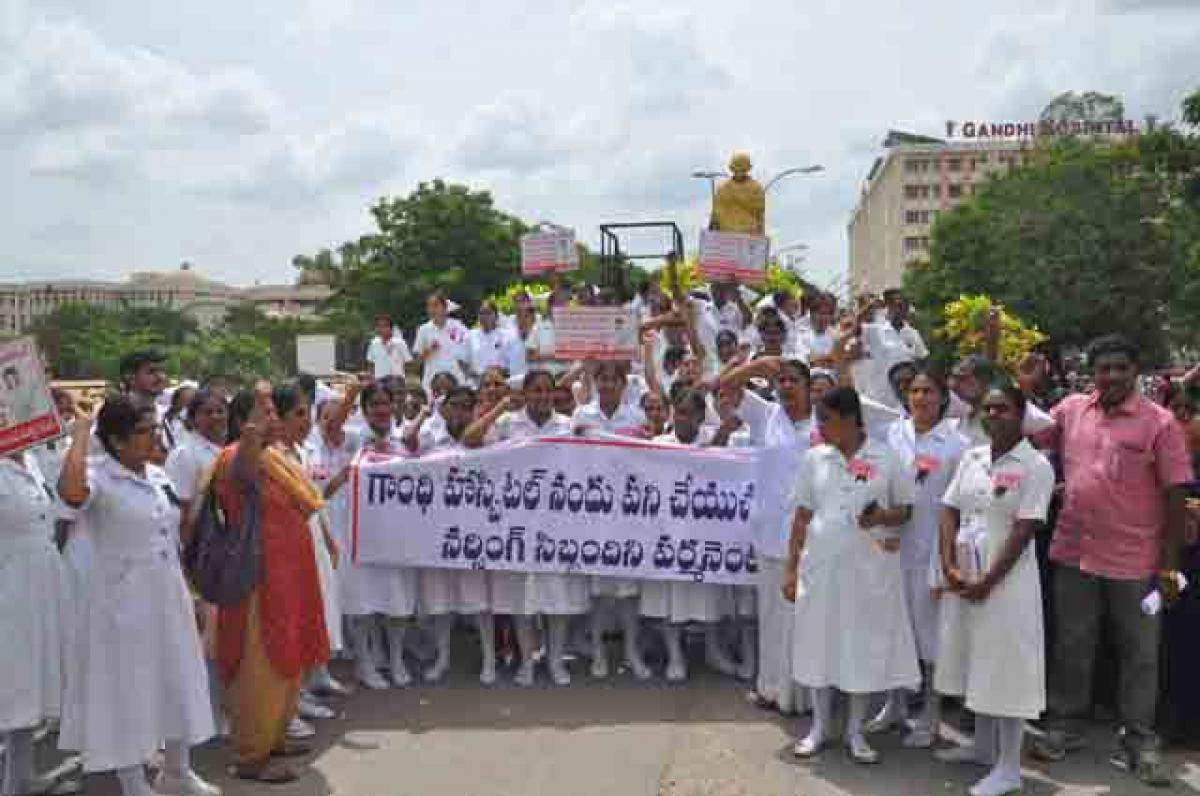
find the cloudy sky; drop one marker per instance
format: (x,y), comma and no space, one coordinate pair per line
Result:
(135,135)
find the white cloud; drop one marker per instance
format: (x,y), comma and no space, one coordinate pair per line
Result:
(249,137)
(61,75)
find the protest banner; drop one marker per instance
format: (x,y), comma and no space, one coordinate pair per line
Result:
(547,251)
(27,413)
(595,333)
(606,506)
(729,255)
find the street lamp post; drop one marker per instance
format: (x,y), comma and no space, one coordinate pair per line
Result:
(815,168)
(711,176)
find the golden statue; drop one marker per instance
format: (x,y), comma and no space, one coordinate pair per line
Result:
(740,204)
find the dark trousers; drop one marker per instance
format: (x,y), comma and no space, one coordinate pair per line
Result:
(1084,605)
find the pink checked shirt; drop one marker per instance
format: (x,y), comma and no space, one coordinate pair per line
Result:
(1118,466)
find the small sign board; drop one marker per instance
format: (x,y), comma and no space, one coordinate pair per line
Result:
(595,333)
(726,256)
(548,251)
(27,413)
(316,354)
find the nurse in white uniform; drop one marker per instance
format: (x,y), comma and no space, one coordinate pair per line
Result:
(33,597)
(678,602)
(852,628)
(611,414)
(441,344)
(443,593)
(929,446)
(138,680)
(787,426)
(373,595)
(991,650)
(557,596)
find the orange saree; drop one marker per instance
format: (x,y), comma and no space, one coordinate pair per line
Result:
(265,642)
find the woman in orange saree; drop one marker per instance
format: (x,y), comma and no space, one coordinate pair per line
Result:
(266,642)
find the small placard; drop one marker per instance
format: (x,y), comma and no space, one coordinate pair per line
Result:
(548,251)
(730,255)
(595,333)
(27,413)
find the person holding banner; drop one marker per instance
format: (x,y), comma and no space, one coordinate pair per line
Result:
(678,602)
(558,597)
(789,425)
(374,595)
(33,613)
(611,414)
(446,592)
(135,623)
(852,629)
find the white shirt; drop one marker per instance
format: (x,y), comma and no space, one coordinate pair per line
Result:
(627,421)
(451,339)
(770,426)
(991,496)
(497,348)
(388,359)
(132,517)
(818,344)
(882,348)
(913,341)
(27,509)
(188,462)
(519,425)
(931,460)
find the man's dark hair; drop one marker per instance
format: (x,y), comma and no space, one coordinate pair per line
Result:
(1112,344)
(134,361)
(308,385)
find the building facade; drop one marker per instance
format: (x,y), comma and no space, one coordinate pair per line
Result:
(908,186)
(203,299)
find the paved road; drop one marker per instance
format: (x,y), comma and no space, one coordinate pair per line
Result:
(618,738)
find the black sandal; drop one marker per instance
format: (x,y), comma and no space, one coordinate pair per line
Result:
(267,774)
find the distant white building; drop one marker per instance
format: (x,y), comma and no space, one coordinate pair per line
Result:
(185,290)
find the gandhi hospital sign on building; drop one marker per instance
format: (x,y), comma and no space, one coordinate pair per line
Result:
(1041,128)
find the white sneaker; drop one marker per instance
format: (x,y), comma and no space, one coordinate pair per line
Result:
(400,676)
(676,672)
(640,670)
(920,738)
(324,683)
(861,751)
(436,672)
(600,667)
(719,661)
(997,783)
(298,729)
(370,678)
(189,784)
(308,708)
(559,673)
(487,673)
(888,719)
(809,745)
(524,675)
(745,671)
(964,753)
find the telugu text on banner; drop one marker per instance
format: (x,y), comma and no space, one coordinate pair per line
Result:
(607,506)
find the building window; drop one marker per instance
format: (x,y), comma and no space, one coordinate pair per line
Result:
(955,164)
(916,216)
(916,244)
(937,191)
(954,191)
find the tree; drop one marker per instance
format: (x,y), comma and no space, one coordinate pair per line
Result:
(1091,106)
(1091,237)
(439,237)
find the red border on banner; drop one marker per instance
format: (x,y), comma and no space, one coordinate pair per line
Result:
(354,510)
(19,436)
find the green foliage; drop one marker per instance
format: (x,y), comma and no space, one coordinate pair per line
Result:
(504,299)
(86,341)
(1089,238)
(440,237)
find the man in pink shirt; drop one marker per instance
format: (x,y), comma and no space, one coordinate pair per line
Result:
(1125,464)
